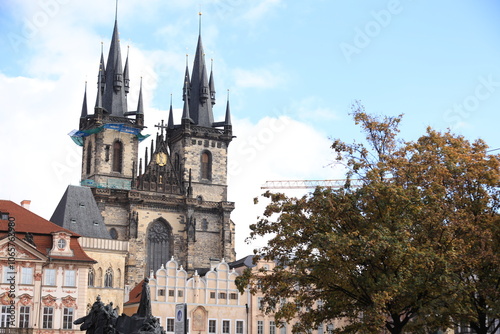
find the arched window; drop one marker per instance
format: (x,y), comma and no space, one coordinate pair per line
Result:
(108,278)
(91,277)
(99,278)
(117,156)
(118,278)
(89,158)
(159,244)
(177,162)
(206,166)
(113,233)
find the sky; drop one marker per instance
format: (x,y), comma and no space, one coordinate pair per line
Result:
(293,69)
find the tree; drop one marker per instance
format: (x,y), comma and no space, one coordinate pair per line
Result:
(392,253)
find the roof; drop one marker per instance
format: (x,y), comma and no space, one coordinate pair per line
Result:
(247,261)
(135,294)
(77,211)
(41,230)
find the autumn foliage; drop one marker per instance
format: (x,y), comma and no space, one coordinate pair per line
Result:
(413,249)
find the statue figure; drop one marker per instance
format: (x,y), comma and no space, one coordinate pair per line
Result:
(104,319)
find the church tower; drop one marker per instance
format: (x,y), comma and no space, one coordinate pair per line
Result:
(110,137)
(171,201)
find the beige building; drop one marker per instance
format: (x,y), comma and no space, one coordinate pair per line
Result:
(214,304)
(77,211)
(44,272)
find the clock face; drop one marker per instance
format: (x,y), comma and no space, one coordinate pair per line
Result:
(161,159)
(61,243)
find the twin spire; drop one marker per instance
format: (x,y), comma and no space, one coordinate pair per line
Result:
(113,83)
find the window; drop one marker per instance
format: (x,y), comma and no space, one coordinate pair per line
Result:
(5,317)
(204,224)
(283,328)
(212,326)
(161,292)
(61,244)
(159,244)
(69,278)
(226,325)
(108,278)
(113,233)
(233,296)
(260,304)
(9,274)
(212,294)
(206,165)
(24,317)
(26,275)
(89,157)
(272,327)
(222,295)
(117,156)
(330,328)
(171,293)
(48,317)
(68,318)
(320,329)
(50,277)
(170,325)
(180,293)
(91,277)
(239,327)
(260,327)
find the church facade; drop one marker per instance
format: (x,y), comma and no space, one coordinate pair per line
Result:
(172,201)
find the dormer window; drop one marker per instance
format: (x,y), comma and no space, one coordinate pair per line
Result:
(61,244)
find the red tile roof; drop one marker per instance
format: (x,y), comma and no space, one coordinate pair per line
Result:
(41,229)
(135,294)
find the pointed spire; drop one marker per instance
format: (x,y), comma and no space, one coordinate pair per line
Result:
(102,71)
(152,148)
(185,112)
(140,106)
(100,88)
(227,121)
(114,93)
(170,123)
(211,84)
(146,159)
(187,82)
(204,89)
(126,78)
(140,166)
(84,106)
(201,112)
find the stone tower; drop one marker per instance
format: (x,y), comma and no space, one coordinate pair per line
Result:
(173,201)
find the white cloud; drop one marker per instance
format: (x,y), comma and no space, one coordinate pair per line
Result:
(275,148)
(259,11)
(258,78)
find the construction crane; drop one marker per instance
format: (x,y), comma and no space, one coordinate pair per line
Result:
(307,184)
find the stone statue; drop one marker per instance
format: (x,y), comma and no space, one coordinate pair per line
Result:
(104,319)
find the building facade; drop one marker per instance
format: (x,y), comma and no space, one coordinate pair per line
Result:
(172,202)
(214,304)
(44,273)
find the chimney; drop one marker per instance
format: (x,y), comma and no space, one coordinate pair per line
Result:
(26,204)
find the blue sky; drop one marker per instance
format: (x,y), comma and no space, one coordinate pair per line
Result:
(293,69)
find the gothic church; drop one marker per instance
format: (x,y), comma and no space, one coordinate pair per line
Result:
(173,201)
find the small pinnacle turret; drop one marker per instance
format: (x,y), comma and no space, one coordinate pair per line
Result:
(211,83)
(84,106)
(126,79)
